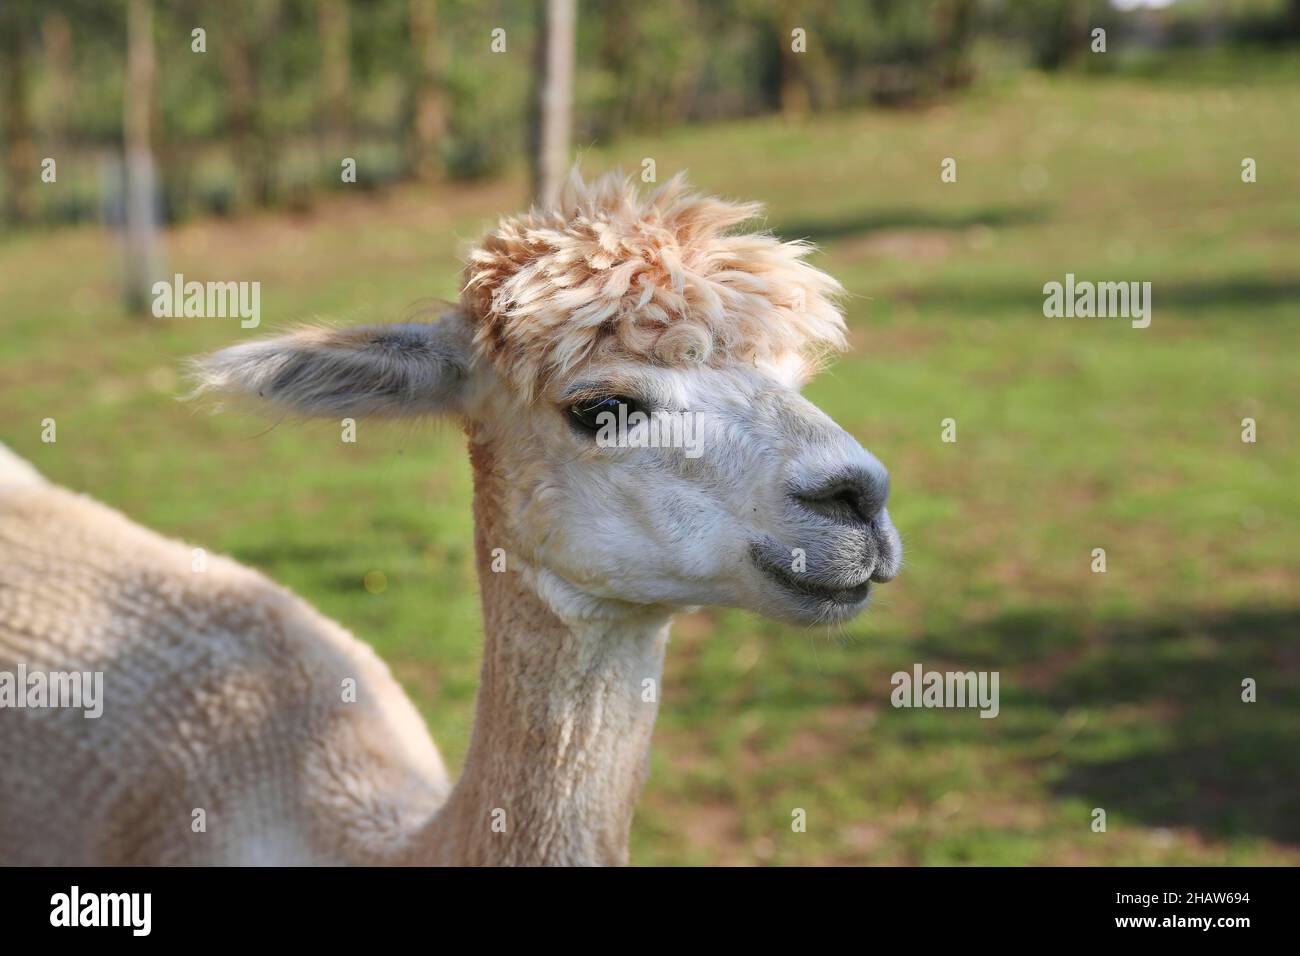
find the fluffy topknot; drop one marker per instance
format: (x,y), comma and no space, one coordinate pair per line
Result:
(662,279)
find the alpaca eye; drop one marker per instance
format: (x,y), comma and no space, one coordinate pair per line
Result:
(587,414)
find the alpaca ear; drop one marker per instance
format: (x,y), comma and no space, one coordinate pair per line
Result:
(418,368)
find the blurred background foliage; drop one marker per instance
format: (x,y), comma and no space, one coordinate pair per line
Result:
(414,89)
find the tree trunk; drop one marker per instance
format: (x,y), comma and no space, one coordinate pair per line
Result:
(335,71)
(958,34)
(143,259)
(248,32)
(22,169)
(1066,37)
(430,119)
(553,99)
(56,39)
(792,89)
(618,39)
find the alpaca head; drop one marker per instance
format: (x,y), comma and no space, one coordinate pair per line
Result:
(628,370)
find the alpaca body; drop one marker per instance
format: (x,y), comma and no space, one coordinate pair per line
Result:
(222,692)
(225,693)
(228,695)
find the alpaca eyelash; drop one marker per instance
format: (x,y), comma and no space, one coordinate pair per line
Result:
(592,392)
(585,412)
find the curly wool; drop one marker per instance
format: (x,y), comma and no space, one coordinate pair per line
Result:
(661,279)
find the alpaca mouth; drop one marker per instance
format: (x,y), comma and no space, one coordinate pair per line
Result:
(807,587)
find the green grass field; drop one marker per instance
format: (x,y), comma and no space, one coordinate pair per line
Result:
(1119,690)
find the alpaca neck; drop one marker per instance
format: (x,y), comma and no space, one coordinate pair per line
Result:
(561,738)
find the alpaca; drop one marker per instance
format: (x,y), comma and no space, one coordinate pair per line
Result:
(225,737)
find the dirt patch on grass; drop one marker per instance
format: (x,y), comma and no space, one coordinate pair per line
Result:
(912,245)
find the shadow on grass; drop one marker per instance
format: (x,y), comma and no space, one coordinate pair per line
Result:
(1191,297)
(281,553)
(1160,734)
(875,220)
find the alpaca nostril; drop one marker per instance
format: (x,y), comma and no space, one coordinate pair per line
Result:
(854,497)
(851,501)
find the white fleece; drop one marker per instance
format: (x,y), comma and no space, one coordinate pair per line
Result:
(222,693)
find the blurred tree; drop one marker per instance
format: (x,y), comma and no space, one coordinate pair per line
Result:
(652,62)
(335,71)
(56,43)
(1058,30)
(248,31)
(959,24)
(143,259)
(429,124)
(792,97)
(552,117)
(415,87)
(615,56)
(21,167)
(783,79)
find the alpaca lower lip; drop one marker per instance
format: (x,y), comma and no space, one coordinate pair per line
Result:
(804,586)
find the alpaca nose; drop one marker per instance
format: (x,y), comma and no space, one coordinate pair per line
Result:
(854,496)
